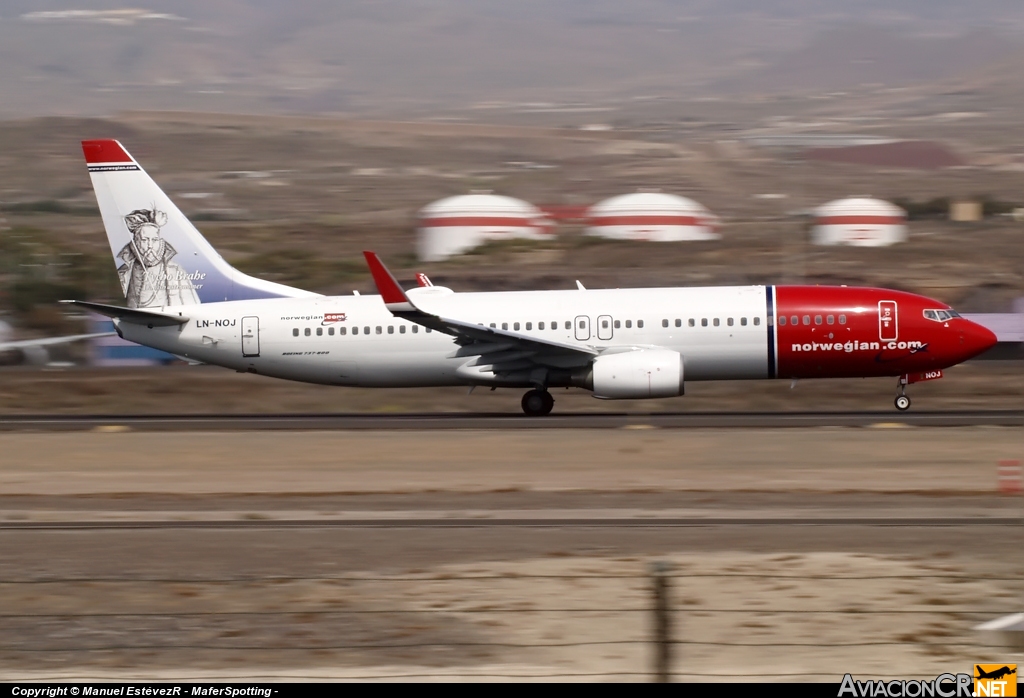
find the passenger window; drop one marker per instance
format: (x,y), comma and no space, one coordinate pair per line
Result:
(716,323)
(729,322)
(493,326)
(618,324)
(568,325)
(319,331)
(342,330)
(703,322)
(504,325)
(794,320)
(391,329)
(295,332)
(743,321)
(378,329)
(540,325)
(664,323)
(757,321)
(629,323)
(782,321)
(604,324)
(807,319)
(817,319)
(583,324)
(831,319)
(366,330)
(515,326)
(307,333)
(842,319)
(679,323)
(529,325)
(415,329)
(640,323)
(330,331)
(691,322)
(429,330)
(401,329)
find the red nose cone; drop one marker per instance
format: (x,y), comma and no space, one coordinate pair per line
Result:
(977,339)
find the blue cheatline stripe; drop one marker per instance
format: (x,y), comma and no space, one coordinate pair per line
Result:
(770,305)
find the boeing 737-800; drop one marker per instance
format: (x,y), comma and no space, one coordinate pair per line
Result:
(182,297)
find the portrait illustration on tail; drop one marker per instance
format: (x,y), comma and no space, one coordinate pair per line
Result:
(149,276)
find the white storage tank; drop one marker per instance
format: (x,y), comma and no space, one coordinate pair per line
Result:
(861,222)
(651,216)
(457,224)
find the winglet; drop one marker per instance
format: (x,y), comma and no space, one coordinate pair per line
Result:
(390,290)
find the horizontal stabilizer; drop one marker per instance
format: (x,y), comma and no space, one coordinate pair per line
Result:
(49,341)
(134,315)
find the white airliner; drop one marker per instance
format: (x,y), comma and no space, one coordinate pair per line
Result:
(183,298)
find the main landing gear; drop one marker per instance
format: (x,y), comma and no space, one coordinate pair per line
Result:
(537,403)
(902,402)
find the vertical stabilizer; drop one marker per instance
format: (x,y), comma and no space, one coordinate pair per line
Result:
(161,258)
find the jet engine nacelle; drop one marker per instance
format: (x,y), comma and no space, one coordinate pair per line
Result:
(638,374)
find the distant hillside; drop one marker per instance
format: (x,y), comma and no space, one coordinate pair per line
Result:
(100,56)
(861,54)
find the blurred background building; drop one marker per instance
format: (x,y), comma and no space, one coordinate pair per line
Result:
(458,224)
(114,351)
(860,222)
(654,216)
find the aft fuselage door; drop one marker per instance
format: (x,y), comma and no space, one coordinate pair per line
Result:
(250,336)
(604,327)
(582,324)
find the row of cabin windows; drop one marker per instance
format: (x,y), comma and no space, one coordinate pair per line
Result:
(554,325)
(355,330)
(828,319)
(715,322)
(692,322)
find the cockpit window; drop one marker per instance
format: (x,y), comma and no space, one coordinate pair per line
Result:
(940,315)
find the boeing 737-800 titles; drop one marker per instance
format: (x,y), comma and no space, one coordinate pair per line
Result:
(182,297)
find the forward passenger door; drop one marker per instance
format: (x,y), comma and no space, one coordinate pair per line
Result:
(582,324)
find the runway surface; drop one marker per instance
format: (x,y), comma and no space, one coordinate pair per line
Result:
(664,420)
(561,523)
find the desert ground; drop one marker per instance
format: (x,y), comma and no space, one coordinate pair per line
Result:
(794,554)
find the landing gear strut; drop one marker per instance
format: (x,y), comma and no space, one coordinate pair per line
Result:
(537,403)
(902,402)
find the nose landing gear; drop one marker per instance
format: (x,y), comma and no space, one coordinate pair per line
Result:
(902,402)
(537,403)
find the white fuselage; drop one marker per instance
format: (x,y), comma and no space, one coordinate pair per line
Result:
(721,332)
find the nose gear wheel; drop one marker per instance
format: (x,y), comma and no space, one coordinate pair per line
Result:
(902,402)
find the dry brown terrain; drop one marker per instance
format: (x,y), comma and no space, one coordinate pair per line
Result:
(297,200)
(211,390)
(757,600)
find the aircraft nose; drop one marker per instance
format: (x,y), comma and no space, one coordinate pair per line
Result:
(976,338)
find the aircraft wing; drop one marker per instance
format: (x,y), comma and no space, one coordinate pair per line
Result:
(476,339)
(134,315)
(49,341)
